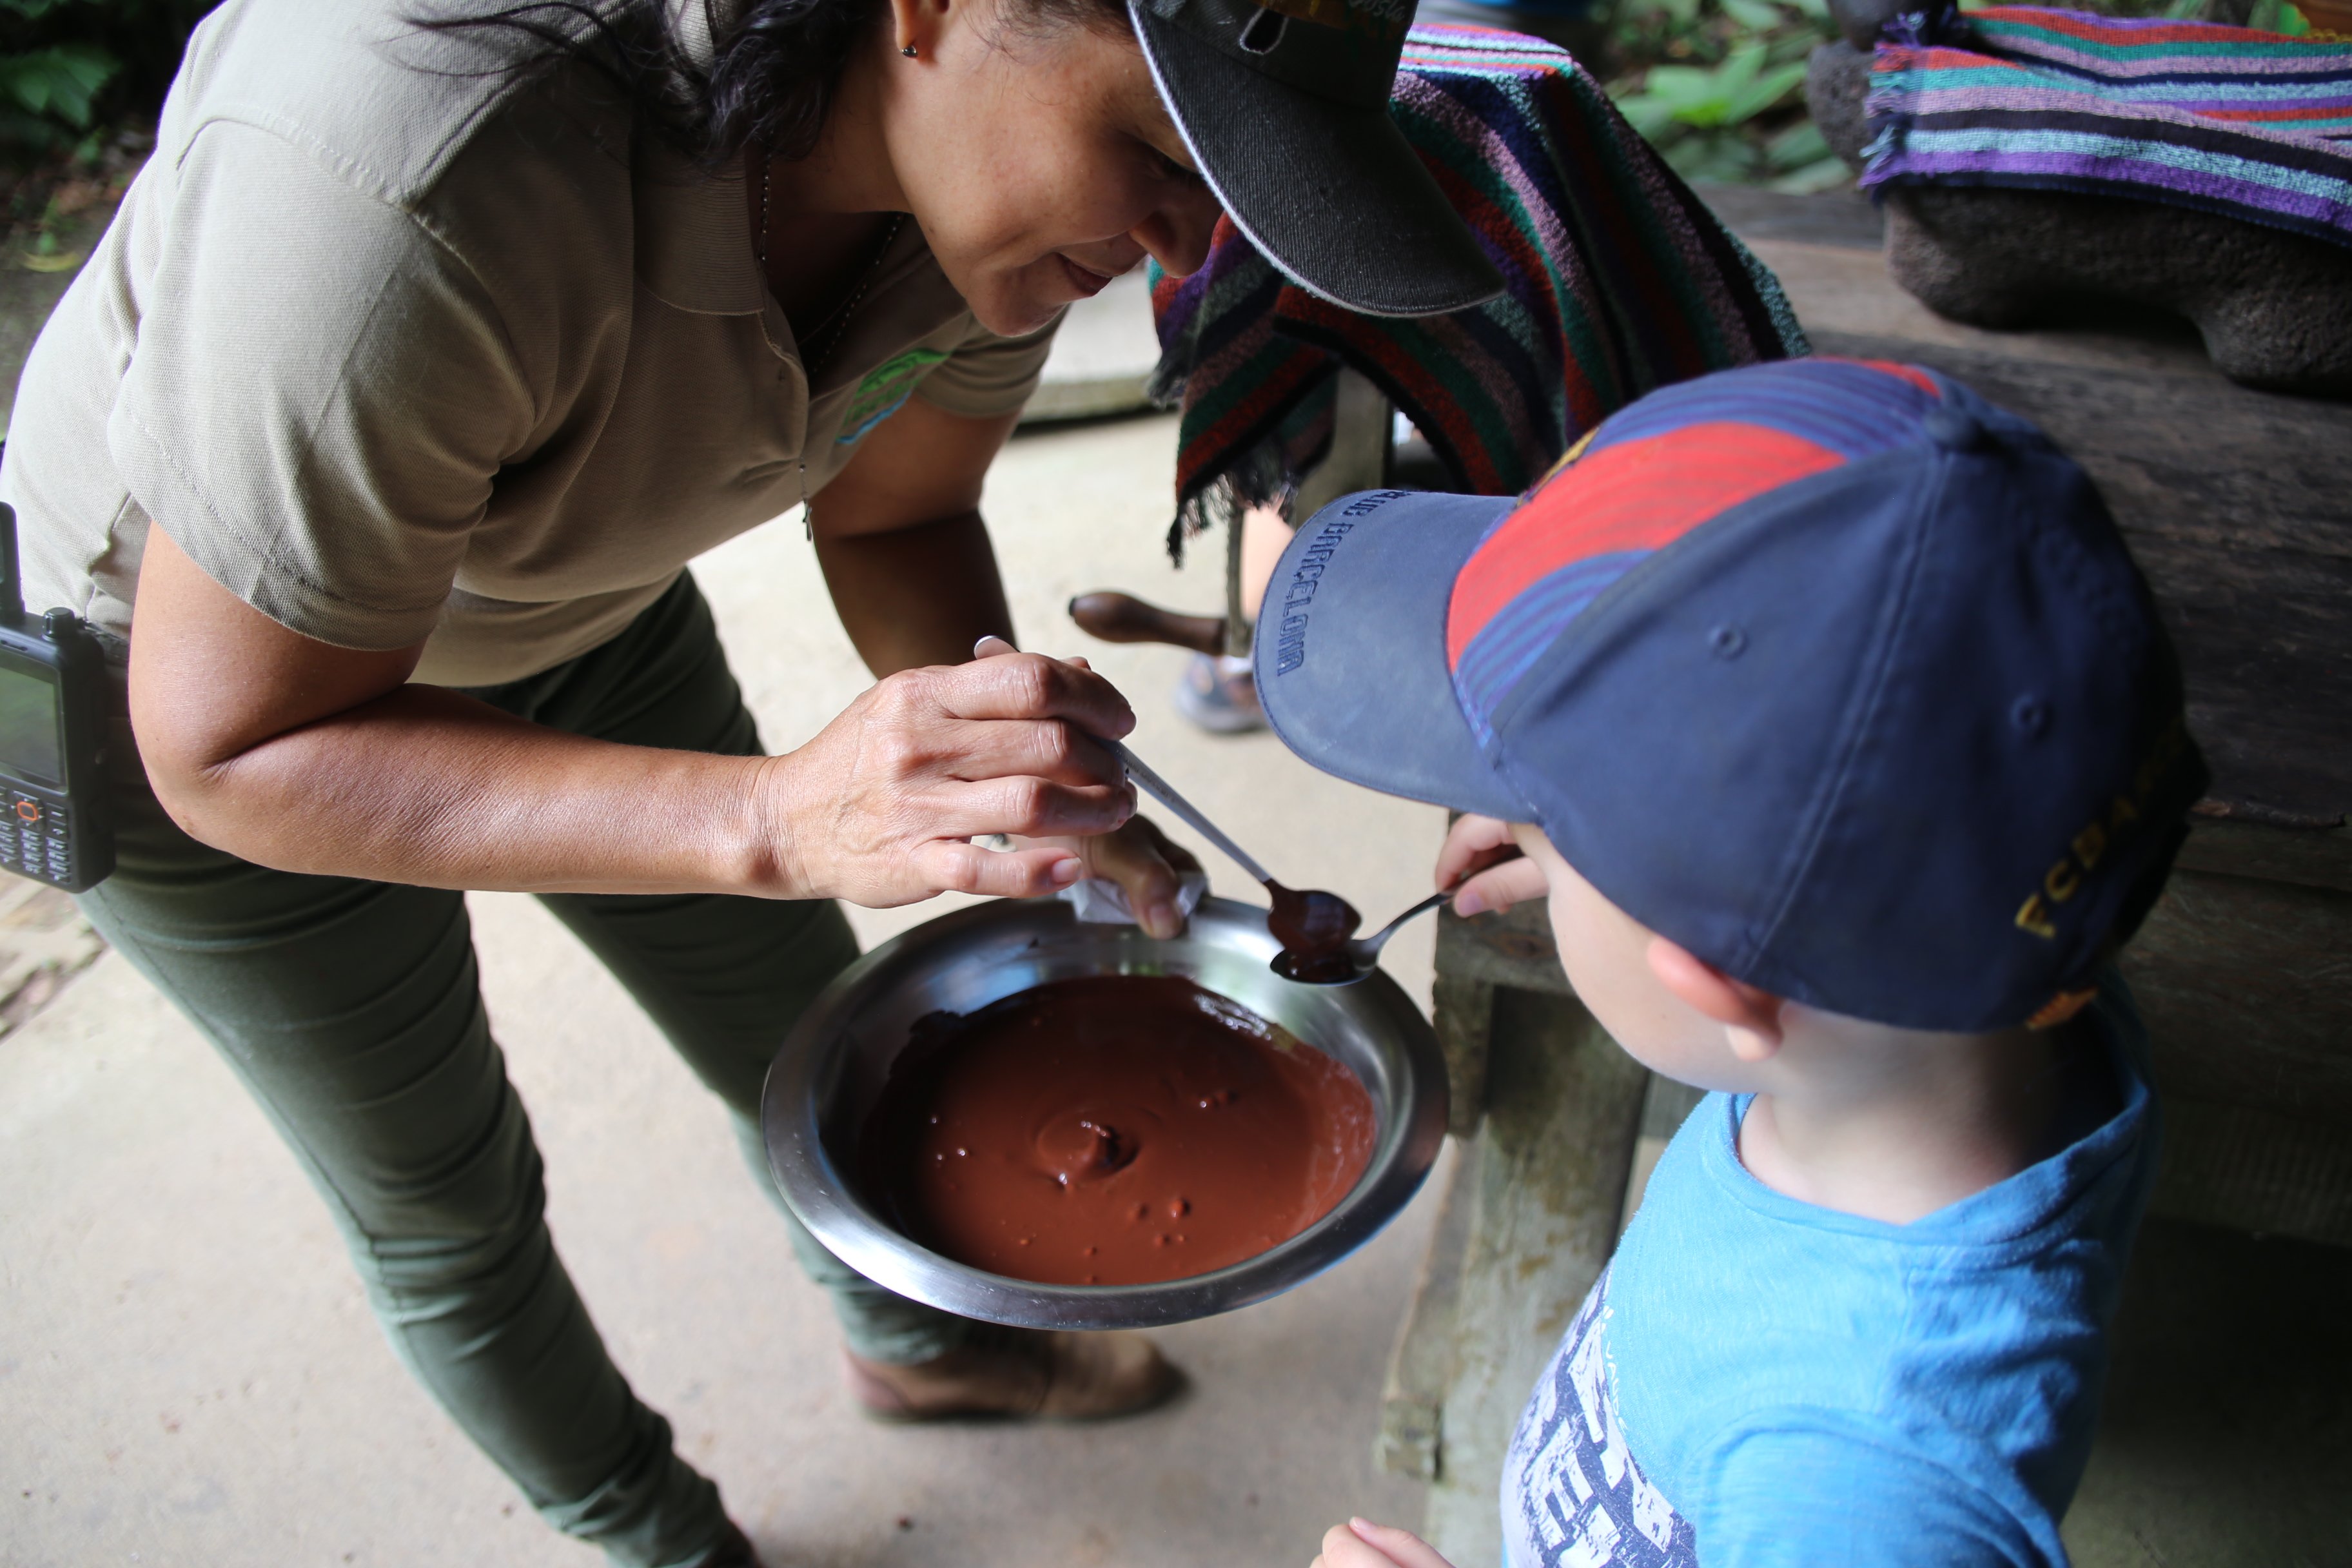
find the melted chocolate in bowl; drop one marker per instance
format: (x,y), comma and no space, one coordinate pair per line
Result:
(1115,1130)
(1314,928)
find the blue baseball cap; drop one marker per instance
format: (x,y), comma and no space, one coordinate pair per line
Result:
(1828,670)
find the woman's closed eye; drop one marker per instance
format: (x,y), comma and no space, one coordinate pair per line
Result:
(1166,168)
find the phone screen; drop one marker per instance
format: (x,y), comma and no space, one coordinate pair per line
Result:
(28,726)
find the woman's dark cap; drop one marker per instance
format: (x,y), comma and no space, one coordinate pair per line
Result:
(1286,110)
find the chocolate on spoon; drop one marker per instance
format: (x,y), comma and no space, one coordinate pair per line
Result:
(1313,927)
(1317,930)
(1348,962)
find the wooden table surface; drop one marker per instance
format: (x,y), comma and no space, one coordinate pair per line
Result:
(2237,504)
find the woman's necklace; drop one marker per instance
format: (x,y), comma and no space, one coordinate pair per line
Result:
(827,332)
(824,336)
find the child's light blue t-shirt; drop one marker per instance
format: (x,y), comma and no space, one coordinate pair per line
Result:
(1757,1381)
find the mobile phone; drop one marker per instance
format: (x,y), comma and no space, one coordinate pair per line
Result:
(55,826)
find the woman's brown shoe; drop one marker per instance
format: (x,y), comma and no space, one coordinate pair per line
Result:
(1025,1374)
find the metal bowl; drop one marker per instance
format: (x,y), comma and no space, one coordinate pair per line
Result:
(832,1066)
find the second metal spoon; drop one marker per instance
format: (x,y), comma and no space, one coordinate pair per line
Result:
(1363,954)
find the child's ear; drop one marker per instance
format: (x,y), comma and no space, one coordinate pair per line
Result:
(1750,1018)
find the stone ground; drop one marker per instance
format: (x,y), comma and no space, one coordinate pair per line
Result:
(193,1376)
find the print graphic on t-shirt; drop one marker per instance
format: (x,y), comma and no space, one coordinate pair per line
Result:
(1573,1496)
(884,389)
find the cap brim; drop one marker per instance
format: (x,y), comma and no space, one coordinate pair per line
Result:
(1350,649)
(1333,196)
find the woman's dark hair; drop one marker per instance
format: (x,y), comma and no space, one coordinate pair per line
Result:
(768,79)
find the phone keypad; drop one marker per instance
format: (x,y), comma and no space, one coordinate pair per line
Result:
(36,839)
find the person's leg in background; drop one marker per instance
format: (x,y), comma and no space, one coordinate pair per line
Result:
(1217,691)
(1266,534)
(1220,693)
(724,978)
(351,1011)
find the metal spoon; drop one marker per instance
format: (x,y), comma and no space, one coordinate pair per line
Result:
(1308,905)
(1160,790)
(1362,955)
(1302,909)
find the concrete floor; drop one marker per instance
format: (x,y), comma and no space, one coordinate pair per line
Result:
(189,1373)
(2225,1438)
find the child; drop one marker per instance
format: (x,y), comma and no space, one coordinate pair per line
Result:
(1823,703)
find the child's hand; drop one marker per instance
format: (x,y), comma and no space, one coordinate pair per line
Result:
(1360,1543)
(1483,849)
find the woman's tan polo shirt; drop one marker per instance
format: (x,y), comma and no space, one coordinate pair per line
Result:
(394,351)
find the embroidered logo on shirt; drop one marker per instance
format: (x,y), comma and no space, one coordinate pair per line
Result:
(1572,1495)
(884,391)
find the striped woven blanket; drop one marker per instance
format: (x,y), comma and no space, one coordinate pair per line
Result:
(2248,124)
(1619,280)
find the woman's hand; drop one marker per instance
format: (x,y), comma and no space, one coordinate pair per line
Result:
(880,807)
(909,565)
(1482,848)
(1145,862)
(1360,1543)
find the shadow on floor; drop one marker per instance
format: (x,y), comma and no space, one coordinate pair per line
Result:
(2226,1437)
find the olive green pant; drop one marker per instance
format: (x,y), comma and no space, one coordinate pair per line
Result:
(351,1011)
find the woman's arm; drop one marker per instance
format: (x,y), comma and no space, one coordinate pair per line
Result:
(899,535)
(306,757)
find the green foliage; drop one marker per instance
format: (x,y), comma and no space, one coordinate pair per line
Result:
(69,66)
(1711,97)
(2277,16)
(1716,86)
(2265,15)
(46,90)
(80,83)
(59,82)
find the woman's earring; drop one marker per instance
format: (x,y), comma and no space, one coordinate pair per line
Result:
(908,50)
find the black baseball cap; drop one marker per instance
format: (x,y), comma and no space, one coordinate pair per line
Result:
(1285,107)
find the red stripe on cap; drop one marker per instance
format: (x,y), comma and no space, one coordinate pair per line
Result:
(1638,496)
(1910,373)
